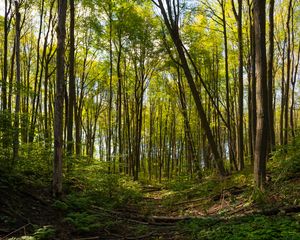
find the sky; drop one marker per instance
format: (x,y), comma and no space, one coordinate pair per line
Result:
(1,7)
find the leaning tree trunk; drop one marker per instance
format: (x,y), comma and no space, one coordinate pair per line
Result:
(171,21)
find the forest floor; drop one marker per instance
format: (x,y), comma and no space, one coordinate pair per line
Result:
(179,210)
(97,205)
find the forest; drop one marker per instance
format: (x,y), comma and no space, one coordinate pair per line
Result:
(149,119)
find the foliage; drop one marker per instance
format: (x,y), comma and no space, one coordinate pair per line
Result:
(99,186)
(252,228)
(35,160)
(83,221)
(285,162)
(44,233)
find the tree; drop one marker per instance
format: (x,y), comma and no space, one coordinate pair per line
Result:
(261,143)
(72,96)
(18,82)
(270,76)
(238,17)
(171,19)
(59,99)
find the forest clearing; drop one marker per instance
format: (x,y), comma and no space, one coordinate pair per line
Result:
(149,119)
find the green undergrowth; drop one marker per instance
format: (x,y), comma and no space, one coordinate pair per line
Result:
(89,187)
(249,227)
(210,188)
(282,185)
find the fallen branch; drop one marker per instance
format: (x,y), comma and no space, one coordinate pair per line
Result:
(139,219)
(88,238)
(169,221)
(188,201)
(15,231)
(140,237)
(283,210)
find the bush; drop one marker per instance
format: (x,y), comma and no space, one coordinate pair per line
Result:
(250,228)
(285,162)
(44,233)
(83,221)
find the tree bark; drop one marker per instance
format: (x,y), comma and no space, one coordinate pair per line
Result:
(270,77)
(5,51)
(260,154)
(240,148)
(59,99)
(18,83)
(70,142)
(37,81)
(288,75)
(228,116)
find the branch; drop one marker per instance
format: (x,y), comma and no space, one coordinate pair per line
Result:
(156,4)
(234,11)
(205,87)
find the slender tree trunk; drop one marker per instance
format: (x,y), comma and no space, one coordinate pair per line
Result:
(282,105)
(11,77)
(36,79)
(70,141)
(151,130)
(5,51)
(6,117)
(240,130)
(241,91)
(191,152)
(47,79)
(109,137)
(292,109)
(288,75)
(270,77)
(119,107)
(230,139)
(253,83)
(59,99)
(18,83)
(294,69)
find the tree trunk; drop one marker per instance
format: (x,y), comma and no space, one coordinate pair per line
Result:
(260,154)
(109,137)
(59,99)
(288,75)
(70,142)
(240,147)
(172,25)
(293,94)
(37,80)
(18,84)
(270,77)
(230,139)
(5,51)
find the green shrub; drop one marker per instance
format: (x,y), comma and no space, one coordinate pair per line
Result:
(250,228)
(44,233)
(60,205)
(83,221)
(285,162)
